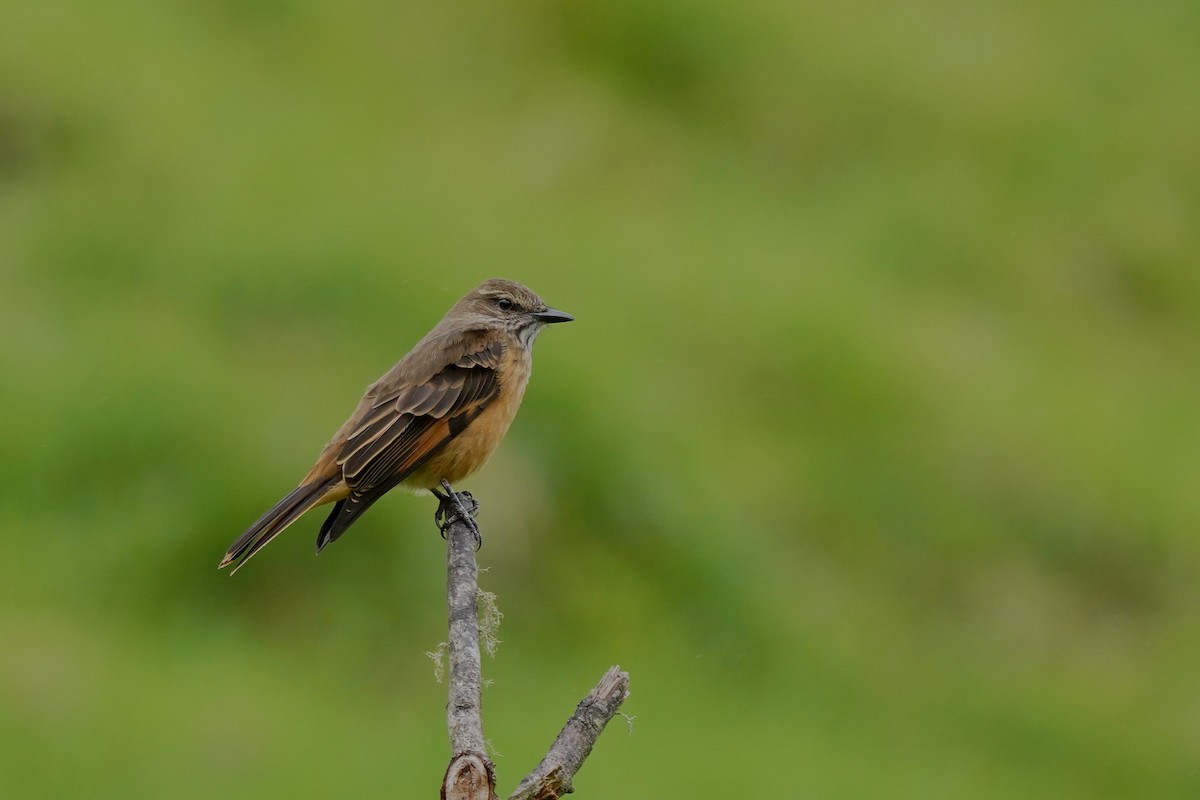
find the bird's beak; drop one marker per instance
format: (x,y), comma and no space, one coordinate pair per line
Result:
(552,315)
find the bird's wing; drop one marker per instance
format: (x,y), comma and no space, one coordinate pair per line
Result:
(408,424)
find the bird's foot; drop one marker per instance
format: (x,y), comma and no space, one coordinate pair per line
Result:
(455,506)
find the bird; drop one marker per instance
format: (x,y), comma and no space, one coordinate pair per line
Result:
(432,420)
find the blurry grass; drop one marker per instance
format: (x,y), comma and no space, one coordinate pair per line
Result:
(872,453)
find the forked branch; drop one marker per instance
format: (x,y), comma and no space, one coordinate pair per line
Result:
(471,774)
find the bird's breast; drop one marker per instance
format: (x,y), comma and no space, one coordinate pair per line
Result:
(468,451)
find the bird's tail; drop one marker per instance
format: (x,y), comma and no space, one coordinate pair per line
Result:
(273,523)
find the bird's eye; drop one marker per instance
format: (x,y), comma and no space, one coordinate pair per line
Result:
(504,304)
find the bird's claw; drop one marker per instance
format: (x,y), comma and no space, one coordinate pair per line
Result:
(455,506)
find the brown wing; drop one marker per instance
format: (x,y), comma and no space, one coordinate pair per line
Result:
(406,426)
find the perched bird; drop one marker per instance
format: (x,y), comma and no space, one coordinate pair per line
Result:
(431,421)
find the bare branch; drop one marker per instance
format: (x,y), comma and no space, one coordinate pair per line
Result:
(470,775)
(552,778)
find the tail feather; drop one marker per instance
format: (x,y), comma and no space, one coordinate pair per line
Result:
(273,523)
(343,516)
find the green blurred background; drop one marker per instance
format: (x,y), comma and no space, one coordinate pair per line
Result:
(872,455)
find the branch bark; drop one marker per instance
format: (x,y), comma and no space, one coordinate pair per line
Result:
(552,778)
(471,774)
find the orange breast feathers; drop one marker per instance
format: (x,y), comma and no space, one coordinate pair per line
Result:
(470,450)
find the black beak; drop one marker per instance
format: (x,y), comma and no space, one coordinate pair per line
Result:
(552,315)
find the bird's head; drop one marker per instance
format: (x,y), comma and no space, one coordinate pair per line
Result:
(498,303)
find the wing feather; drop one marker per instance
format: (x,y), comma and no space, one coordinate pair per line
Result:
(407,425)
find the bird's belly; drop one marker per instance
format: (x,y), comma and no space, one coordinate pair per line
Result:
(471,449)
